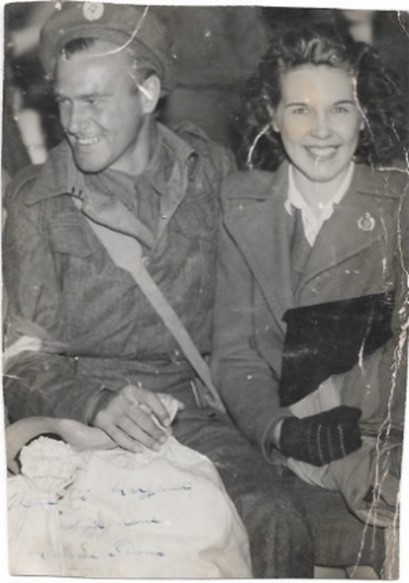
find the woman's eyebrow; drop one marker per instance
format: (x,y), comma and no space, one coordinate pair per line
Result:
(342,101)
(304,103)
(295,104)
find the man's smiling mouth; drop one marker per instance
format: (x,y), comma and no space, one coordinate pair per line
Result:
(88,141)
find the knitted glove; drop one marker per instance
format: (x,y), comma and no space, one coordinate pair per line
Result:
(322,438)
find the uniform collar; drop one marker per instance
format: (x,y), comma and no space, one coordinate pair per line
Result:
(59,174)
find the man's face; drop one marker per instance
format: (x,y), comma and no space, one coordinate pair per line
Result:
(319,121)
(101,113)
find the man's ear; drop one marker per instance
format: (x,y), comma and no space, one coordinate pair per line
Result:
(150,93)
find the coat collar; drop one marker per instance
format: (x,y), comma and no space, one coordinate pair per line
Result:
(256,218)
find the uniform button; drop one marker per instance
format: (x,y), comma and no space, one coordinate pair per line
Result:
(145,261)
(316,285)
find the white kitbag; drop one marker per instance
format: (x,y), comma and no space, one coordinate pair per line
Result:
(112,513)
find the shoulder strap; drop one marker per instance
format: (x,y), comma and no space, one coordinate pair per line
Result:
(126,252)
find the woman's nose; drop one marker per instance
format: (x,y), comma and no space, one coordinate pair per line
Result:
(321,127)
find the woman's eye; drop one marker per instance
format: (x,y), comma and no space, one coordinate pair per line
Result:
(340,109)
(301,110)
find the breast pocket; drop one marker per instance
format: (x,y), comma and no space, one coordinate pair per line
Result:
(68,235)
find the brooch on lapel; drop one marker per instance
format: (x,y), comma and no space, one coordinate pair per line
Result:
(366,223)
(93,10)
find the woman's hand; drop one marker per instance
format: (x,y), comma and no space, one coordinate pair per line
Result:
(322,438)
(135,417)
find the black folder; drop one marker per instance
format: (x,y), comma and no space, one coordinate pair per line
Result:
(327,339)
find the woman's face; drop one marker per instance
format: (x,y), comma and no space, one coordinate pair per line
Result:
(319,121)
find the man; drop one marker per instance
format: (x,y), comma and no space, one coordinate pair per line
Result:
(105,352)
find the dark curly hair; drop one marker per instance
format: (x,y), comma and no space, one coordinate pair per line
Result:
(379,95)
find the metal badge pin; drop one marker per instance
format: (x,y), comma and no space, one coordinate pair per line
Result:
(366,223)
(93,10)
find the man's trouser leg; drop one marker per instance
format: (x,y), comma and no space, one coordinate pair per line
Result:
(280,541)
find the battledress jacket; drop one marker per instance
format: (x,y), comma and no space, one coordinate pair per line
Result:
(62,287)
(362,249)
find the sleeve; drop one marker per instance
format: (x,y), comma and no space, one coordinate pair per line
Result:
(39,379)
(248,385)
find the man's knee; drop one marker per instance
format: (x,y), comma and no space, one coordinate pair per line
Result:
(280,539)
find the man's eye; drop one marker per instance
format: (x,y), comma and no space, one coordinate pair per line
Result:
(92,101)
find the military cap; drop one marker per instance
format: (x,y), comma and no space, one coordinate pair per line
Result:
(136,27)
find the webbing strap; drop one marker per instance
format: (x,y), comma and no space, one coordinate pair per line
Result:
(126,252)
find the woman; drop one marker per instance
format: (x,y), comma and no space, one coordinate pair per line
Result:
(310,311)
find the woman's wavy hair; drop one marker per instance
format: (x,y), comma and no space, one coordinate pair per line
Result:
(380,98)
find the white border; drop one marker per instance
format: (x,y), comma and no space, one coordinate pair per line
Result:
(399,5)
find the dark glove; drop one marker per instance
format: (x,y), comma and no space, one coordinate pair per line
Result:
(323,438)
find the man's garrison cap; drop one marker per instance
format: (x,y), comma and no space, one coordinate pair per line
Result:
(125,25)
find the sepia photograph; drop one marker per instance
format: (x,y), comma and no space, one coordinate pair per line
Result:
(205,290)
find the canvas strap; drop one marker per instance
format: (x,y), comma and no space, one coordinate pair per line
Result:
(126,252)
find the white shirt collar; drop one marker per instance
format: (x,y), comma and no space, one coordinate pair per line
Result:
(311,222)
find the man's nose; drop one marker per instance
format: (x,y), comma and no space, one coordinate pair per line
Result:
(77,119)
(321,126)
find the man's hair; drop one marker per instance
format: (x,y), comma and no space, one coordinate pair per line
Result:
(382,102)
(139,69)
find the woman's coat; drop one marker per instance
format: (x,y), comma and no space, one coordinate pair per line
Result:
(362,249)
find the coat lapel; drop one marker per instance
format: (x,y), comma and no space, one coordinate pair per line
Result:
(260,229)
(354,226)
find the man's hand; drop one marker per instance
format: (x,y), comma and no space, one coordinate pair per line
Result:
(81,436)
(322,438)
(134,417)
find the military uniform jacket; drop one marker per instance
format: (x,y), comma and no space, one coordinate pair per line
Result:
(362,249)
(97,328)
